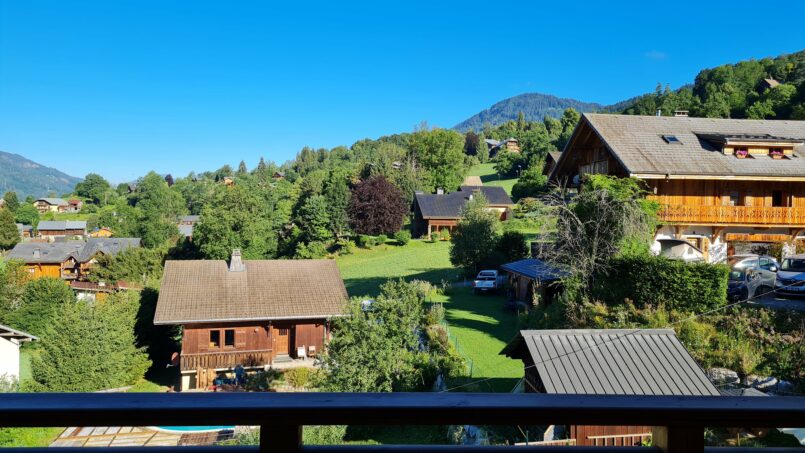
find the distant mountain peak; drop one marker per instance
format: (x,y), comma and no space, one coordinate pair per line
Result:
(535,106)
(27,177)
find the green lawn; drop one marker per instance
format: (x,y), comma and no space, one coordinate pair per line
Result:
(366,269)
(26,355)
(481,326)
(490,178)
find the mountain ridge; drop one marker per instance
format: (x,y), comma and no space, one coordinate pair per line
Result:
(26,177)
(535,106)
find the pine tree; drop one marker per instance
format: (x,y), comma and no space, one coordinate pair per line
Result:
(9,235)
(12,202)
(261,166)
(242,170)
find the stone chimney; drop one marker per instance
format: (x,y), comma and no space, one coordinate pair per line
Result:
(236,263)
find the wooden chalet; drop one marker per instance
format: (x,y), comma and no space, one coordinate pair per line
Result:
(248,313)
(607,362)
(434,212)
(550,162)
(52,229)
(44,205)
(495,146)
(24,230)
(101,233)
(721,183)
(74,205)
(68,260)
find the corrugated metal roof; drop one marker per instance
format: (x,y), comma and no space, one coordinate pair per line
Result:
(615,362)
(637,142)
(533,269)
(59,252)
(449,205)
(60,225)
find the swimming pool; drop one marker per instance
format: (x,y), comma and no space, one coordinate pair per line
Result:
(191,429)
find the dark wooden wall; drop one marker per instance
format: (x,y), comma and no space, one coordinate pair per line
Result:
(254,336)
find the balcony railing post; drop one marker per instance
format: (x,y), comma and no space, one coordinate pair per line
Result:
(280,438)
(676,439)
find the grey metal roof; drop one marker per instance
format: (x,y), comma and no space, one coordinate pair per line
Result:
(636,141)
(190,218)
(58,252)
(615,362)
(534,269)
(185,230)
(22,227)
(62,225)
(107,246)
(8,332)
(449,205)
(54,201)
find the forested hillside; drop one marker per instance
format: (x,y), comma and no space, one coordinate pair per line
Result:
(771,88)
(26,177)
(533,106)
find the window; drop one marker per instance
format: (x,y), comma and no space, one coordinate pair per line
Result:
(671,140)
(734,199)
(215,338)
(777,199)
(765,263)
(229,338)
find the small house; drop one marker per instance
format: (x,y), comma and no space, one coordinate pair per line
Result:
(187,224)
(434,212)
(767,84)
(24,230)
(278,175)
(248,313)
(533,281)
(10,341)
(607,362)
(44,205)
(52,229)
(495,146)
(101,233)
(74,205)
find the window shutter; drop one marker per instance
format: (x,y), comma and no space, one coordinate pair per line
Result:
(203,339)
(240,338)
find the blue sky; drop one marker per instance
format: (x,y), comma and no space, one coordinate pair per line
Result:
(122,87)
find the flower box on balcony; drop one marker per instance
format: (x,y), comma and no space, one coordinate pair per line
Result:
(776,154)
(741,153)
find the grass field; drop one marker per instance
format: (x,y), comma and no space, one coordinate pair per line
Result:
(366,269)
(490,178)
(481,326)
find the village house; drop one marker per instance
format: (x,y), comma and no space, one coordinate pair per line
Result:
(68,260)
(24,230)
(725,185)
(495,146)
(434,212)
(10,341)
(44,205)
(278,175)
(607,362)
(101,233)
(550,162)
(74,205)
(252,313)
(187,224)
(52,229)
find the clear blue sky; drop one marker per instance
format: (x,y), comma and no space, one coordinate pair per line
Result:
(122,87)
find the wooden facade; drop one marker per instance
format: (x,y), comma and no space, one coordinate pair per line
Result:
(61,233)
(67,270)
(223,346)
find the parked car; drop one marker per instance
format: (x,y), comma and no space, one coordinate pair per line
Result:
(791,277)
(743,283)
(764,265)
(486,281)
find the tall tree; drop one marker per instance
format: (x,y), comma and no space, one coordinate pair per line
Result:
(160,208)
(9,234)
(376,207)
(12,202)
(93,187)
(476,235)
(314,219)
(337,194)
(27,214)
(40,302)
(242,170)
(441,153)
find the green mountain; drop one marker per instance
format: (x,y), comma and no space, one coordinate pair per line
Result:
(535,106)
(26,177)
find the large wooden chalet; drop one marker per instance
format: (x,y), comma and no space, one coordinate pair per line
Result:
(434,212)
(52,229)
(248,313)
(68,260)
(607,362)
(721,183)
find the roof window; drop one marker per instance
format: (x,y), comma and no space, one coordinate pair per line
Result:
(671,140)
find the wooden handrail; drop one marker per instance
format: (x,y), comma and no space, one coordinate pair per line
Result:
(731,215)
(281,415)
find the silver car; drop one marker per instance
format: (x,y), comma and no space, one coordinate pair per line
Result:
(791,278)
(766,267)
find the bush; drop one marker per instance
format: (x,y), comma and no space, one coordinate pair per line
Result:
(297,377)
(261,381)
(382,239)
(403,237)
(512,245)
(434,315)
(444,235)
(366,241)
(654,280)
(312,250)
(345,246)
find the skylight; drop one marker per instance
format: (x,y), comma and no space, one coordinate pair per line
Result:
(671,140)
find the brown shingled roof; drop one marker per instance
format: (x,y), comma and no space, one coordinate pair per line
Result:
(207,291)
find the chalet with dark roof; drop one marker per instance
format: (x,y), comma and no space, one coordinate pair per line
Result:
(434,212)
(68,260)
(725,185)
(252,313)
(632,362)
(52,229)
(44,205)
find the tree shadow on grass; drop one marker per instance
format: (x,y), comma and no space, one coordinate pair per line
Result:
(370,286)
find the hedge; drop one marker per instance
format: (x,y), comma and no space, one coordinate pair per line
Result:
(654,280)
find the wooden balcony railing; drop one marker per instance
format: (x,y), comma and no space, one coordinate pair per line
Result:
(679,421)
(731,215)
(225,359)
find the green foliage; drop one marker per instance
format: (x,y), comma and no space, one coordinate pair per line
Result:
(27,214)
(403,237)
(132,265)
(532,106)
(12,202)
(531,183)
(441,154)
(366,241)
(9,235)
(475,236)
(311,250)
(94,187)
(337,194)
(377,207)
(382,239)
(314,219)
(28,437)
(654,280)
(159,208)
(40,303)
(509,164)
(297,377)
(512,246)
(92,348)
(262,381)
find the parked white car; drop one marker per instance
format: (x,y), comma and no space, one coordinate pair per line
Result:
(791,276)
(486,281)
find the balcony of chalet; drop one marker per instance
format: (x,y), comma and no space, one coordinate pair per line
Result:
(754,216)
(678,422)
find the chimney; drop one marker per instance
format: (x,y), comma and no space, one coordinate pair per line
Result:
(439,191)
(659,112)
(37,253)
(236,264)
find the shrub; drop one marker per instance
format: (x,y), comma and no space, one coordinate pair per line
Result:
(434,315)
(654,280)
(261,381)
(297,377)
(403,237)
(382,239)
(444,235)
(311,250)
(345,246)
(366,241)
(512,245)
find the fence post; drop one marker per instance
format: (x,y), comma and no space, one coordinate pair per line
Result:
(676,439)
(280,438)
